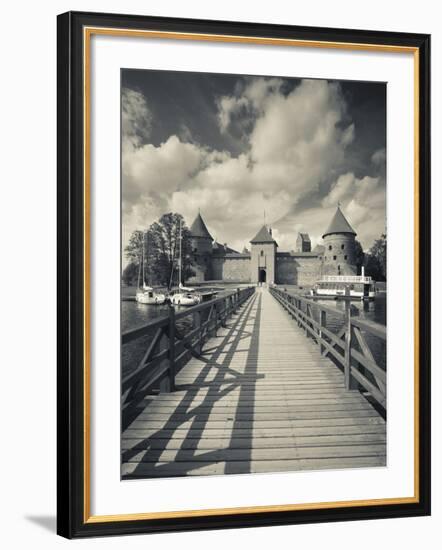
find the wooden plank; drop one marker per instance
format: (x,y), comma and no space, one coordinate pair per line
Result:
(162,469)
(253,412)
(327,420)
(250,406)
(283,453)
(205,394)
(291,431)
(250,401)
(227,443)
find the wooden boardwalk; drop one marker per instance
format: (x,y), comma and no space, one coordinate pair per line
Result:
(261,398)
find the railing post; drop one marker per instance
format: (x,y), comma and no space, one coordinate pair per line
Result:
(172,347)
(197,324)
(350,382)
(225,312)
(308,315)
(216,320)
(322,323)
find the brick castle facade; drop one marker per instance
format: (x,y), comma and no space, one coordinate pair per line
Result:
(264,263)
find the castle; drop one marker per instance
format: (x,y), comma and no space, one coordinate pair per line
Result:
(264,263)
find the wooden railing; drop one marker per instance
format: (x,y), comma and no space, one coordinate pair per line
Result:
(348,347)
(168,347)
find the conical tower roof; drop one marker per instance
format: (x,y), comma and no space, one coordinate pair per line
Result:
(199,229)
(339,224)
(263,236)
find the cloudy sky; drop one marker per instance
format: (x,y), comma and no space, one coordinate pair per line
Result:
(236,146)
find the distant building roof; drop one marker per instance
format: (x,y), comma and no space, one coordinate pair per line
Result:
(263,236)
(237,255)
(339,224)
(199,229)
(305,237)
(222,249)
(319,249)
(294,254)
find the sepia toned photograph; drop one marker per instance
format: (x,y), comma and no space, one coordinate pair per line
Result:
(253,274)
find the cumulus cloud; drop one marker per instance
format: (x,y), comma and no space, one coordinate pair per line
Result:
(293,142)
(136,118)
(379,157)
(247,103)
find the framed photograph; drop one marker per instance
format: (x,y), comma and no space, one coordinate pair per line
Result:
(235,345)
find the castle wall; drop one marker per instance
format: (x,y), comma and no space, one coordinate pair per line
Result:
(231,268)
(309,270)
(298,270)
(286,270)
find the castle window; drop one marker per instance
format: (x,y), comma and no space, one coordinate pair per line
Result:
(342,246)
(262,252)
(334,257)
(329,246)
(345,257)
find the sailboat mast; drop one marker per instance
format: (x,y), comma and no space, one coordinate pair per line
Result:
(180,260)
(146,256)
(143,257)
(139,271)
(139,268)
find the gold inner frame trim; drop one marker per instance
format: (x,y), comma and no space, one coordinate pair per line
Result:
(88,32)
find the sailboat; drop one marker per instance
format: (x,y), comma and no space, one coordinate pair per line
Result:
(146,294)
(185,296)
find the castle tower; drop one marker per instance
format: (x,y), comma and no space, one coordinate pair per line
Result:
(263,257)
(201,242)
(339,247)
(303,243)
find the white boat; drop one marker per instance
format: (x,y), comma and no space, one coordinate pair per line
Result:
(185,296)
(355,287)
(185,299)
(149,296)
(146,294)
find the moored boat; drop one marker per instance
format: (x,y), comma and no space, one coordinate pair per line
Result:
(146,294)
(149,296)
(185,296)
(353,287)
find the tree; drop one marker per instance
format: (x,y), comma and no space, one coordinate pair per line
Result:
(373,268)
(379,251)
(161,251)
(130,274)
(133,250)
(359,255)
(164,254)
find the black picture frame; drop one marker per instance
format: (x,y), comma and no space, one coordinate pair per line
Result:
(72,393)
